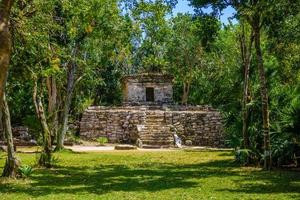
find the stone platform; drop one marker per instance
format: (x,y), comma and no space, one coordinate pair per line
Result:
(154,125)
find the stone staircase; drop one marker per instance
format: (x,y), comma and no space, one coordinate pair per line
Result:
(155,132)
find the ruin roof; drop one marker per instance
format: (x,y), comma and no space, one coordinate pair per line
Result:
(148,77)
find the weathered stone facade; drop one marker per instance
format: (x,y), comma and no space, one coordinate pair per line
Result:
(154,125)
(137,89)
(21,136)
(149,117)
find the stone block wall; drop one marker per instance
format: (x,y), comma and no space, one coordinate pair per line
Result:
(201,128)
(134,88)
(136,92)
(21,136)
(199,125)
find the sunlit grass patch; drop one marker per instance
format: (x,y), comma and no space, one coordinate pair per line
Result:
(150,175)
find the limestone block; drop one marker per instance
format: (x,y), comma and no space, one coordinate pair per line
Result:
(125,147)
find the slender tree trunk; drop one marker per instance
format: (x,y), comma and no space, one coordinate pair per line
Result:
(186,91)
(264,96)
(45,159)
(2,137)
(52,106)
(5,43)
(12,163)
(246,58)
(67,103)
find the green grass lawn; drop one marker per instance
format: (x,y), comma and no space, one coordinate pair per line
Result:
(149,175)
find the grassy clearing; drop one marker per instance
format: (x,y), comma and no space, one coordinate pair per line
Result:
(149,175)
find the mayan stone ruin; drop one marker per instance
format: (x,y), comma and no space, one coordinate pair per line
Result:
(150,117)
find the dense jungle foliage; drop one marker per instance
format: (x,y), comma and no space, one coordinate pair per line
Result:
(72,54)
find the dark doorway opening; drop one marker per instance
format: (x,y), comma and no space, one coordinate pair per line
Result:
(149,94)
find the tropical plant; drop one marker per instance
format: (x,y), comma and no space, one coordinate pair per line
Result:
(25,171)
(102,140)
(242,156)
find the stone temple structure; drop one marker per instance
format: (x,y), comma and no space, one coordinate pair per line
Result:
(149,117)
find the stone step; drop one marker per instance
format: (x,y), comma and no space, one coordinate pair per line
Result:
(156,138)
(156,146)
(158,115)
(125,147)
(159,142)
(158,133)
(156,125)
(155,142)
(146,141)
(150,128)
(154,121)
(155,114)
(155,129)
(148,125)
(155,132)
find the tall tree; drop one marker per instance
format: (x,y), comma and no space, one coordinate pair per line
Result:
(260,15)
(255,23)
(5,42)
(246,56)
(52,105)
(71,76)
(151,42)
(46,155)
(86,28)
(253,12)
(185,54)
(12,163)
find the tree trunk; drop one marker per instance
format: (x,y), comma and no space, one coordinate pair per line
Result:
(12,163)
(52,106)
(264,95)
(186,91)
(45,159)
(5,43)
(2,136)
(246,58)
(67,103)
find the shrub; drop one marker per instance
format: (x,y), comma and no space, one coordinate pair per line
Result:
(242,156)
(73,138)
(25,171)
(286,134)
(102,140)
(34,127)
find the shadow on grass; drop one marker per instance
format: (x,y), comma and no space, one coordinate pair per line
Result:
(151,177)
(268,182)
